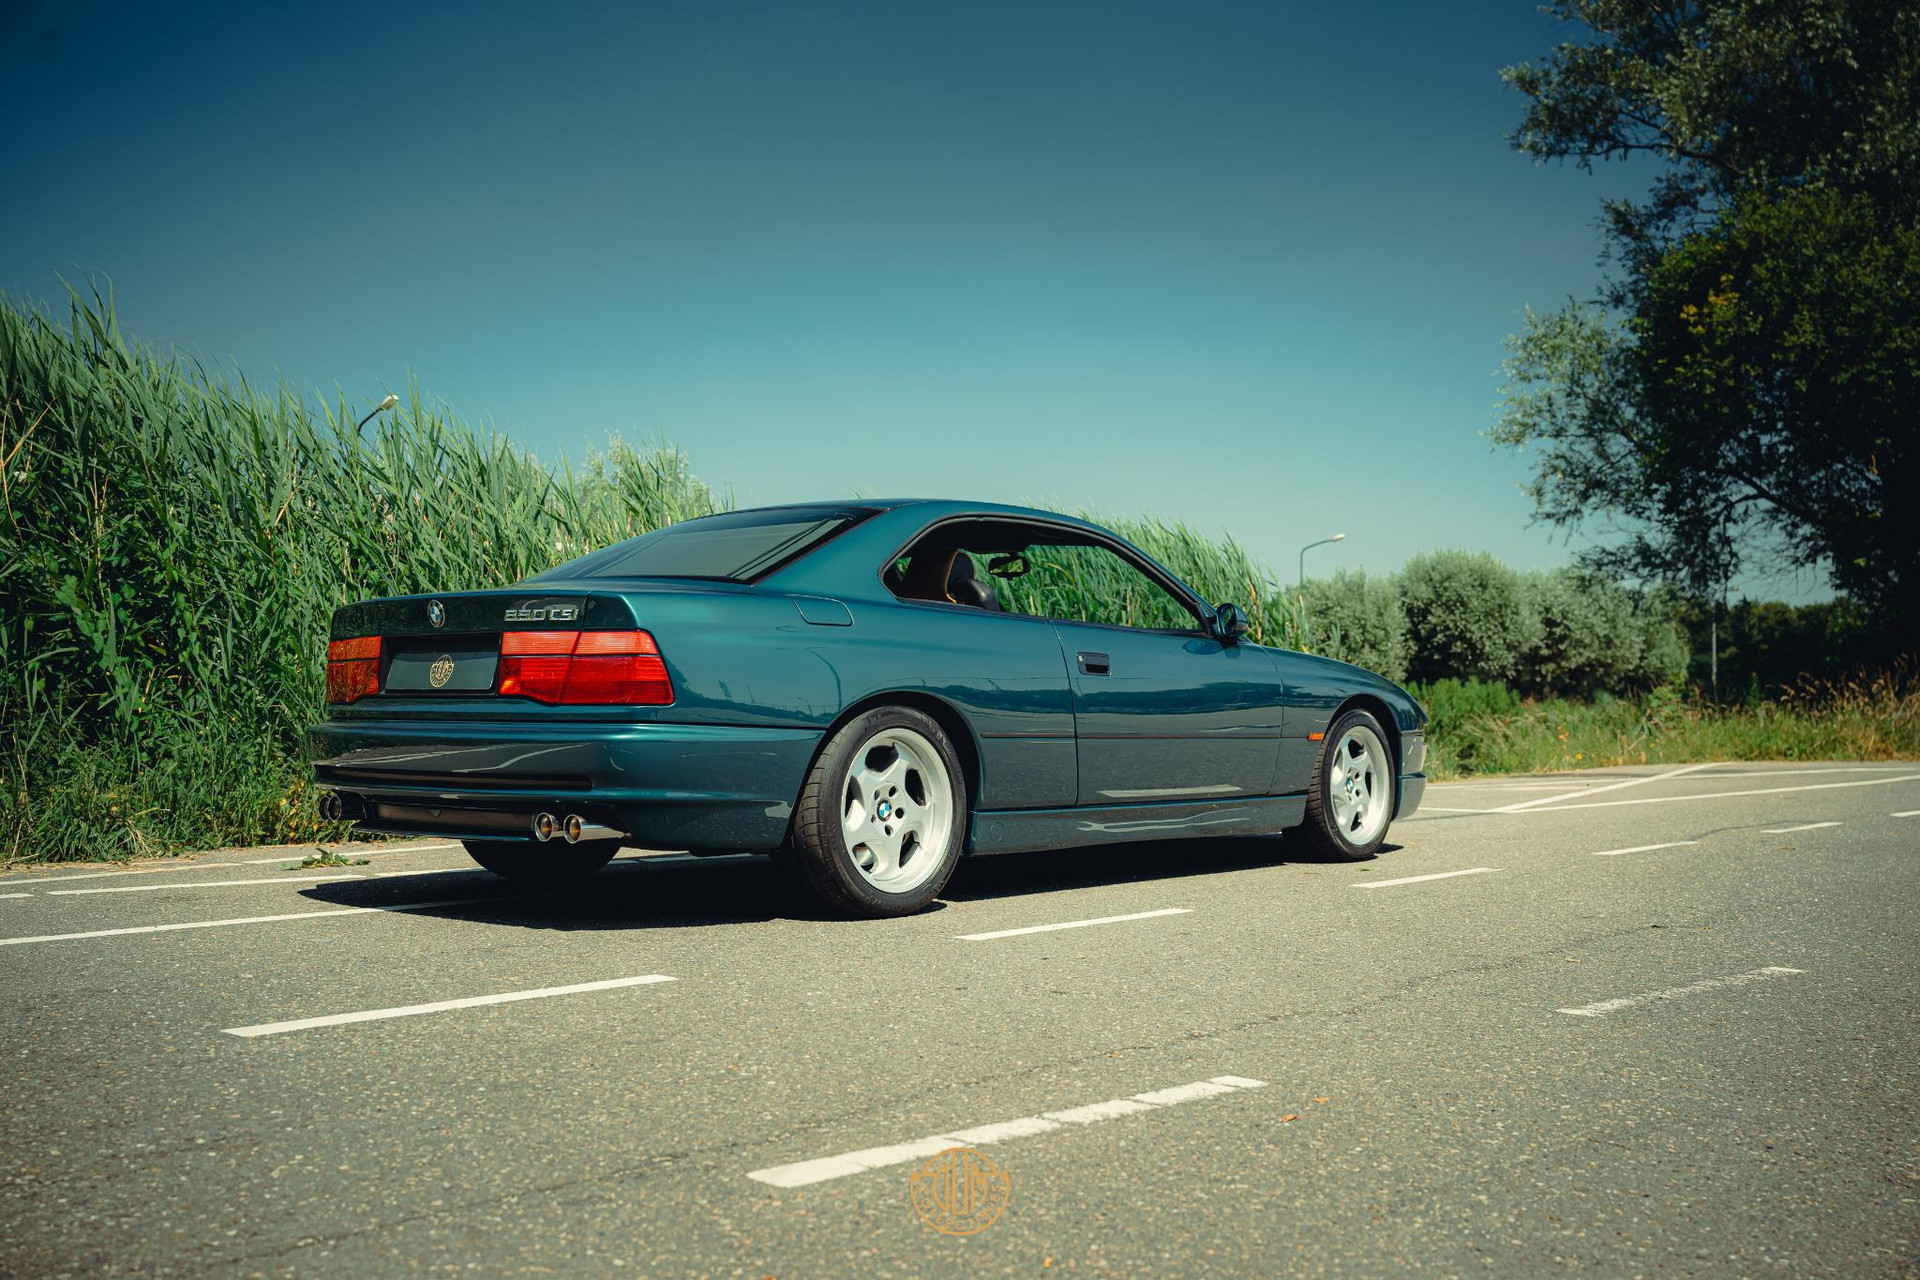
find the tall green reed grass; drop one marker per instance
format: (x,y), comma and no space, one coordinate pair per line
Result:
(172,543)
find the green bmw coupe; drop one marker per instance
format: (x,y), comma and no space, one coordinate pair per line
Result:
(866,690)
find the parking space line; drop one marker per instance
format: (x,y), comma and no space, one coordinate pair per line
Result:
(1582,792)
(806,1172)
(1641,848)
(1070,924)
(439,1006)
(1723,795)
(1438,875)
(207,884)
(1673,993)
(1806,826)
(1908,813)
(215,924)
(15,895)
(293,855)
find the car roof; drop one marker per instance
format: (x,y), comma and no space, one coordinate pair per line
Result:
(930,507)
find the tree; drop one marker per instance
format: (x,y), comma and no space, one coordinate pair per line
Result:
(1747,385)
(1467,616)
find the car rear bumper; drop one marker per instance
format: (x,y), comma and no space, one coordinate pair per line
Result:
(671,786)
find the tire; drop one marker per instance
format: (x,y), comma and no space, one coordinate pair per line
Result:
(555,863)
(1351,800)
(882,817)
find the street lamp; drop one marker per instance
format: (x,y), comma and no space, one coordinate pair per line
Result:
(378,409)
(1301,581)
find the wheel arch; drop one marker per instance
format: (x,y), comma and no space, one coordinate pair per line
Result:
(1376,707)
(944,714)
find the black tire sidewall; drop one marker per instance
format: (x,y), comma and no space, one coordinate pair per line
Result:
(1323,786)
(825,846)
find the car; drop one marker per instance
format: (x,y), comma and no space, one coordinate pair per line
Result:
(866,690)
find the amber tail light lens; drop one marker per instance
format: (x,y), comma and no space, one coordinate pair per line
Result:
(620,668)
(353,668)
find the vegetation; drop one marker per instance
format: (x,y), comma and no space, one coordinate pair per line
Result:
(1744,387)
(1481,728)
(172,544)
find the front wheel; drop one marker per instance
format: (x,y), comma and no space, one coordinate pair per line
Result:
(1351,799)
(882,817)
(525,862)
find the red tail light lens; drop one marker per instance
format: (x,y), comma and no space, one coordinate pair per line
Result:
(353,668)
(621,668)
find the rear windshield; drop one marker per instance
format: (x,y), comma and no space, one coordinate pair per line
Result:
(737,546)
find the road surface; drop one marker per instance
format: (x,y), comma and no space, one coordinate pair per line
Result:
(1641,1021)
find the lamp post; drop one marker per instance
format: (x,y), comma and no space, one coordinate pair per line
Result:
(1301,581)
(378,409)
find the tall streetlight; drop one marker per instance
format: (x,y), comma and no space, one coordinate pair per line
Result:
(1301,581)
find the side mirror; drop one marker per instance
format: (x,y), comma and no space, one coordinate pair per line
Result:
(1229,622)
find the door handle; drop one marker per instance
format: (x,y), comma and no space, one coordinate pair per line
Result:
(1094,664)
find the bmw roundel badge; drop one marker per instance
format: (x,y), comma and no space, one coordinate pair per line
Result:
(437,614)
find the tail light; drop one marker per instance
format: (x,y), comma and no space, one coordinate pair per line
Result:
(353,668)
(573,667)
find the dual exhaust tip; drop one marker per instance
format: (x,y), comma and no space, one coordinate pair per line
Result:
(546,827)
(331,809)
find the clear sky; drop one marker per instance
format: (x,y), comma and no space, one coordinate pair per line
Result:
(1246,265)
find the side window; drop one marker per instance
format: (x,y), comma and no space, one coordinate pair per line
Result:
(1090,584)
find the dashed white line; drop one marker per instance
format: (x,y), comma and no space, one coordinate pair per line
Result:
(439,1006)
(1438,875)
(206,884)
(1641,848)
(1674,993)
(1807,826)
(806,1172)
(15,895)
(1071,924)
(294,855)
(237,920)
(1908,813)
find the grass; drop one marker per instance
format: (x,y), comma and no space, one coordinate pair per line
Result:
(1862,718)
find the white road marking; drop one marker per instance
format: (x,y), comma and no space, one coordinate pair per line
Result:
(1438,875)
(1583,792)
(15,895)
(294,856)
(138,871)
(214,924)
(1674,993)
(1908,813)
(1809,826)
(806,1172)
(439,1006)
(1070,924)
(208,884)
(1722,795)
(1642,848)
(1442,808)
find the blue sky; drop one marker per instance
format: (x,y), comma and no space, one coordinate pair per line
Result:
(1244,265)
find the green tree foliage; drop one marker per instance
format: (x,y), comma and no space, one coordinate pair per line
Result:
(1747,385)
(1591,635)
(1359,619)
(1467,616)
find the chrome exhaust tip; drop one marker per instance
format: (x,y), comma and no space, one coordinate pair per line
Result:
(331,810)
(574,828)
(544,826)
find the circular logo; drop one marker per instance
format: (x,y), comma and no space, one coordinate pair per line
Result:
(441,671)
(959,1192)
(437,614)
(885,810)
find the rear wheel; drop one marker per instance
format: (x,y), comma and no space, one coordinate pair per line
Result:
(882,817)
(526,862)
(1351,799)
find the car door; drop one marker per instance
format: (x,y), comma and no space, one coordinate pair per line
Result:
(1162,710)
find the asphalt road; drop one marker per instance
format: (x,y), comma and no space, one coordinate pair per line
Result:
(1624,1022)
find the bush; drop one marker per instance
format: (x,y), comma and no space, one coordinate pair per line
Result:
(1591,635)
(1467,617)
(1357,619)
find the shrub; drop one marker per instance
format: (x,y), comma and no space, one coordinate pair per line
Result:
(1357,619)
(1467,616)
